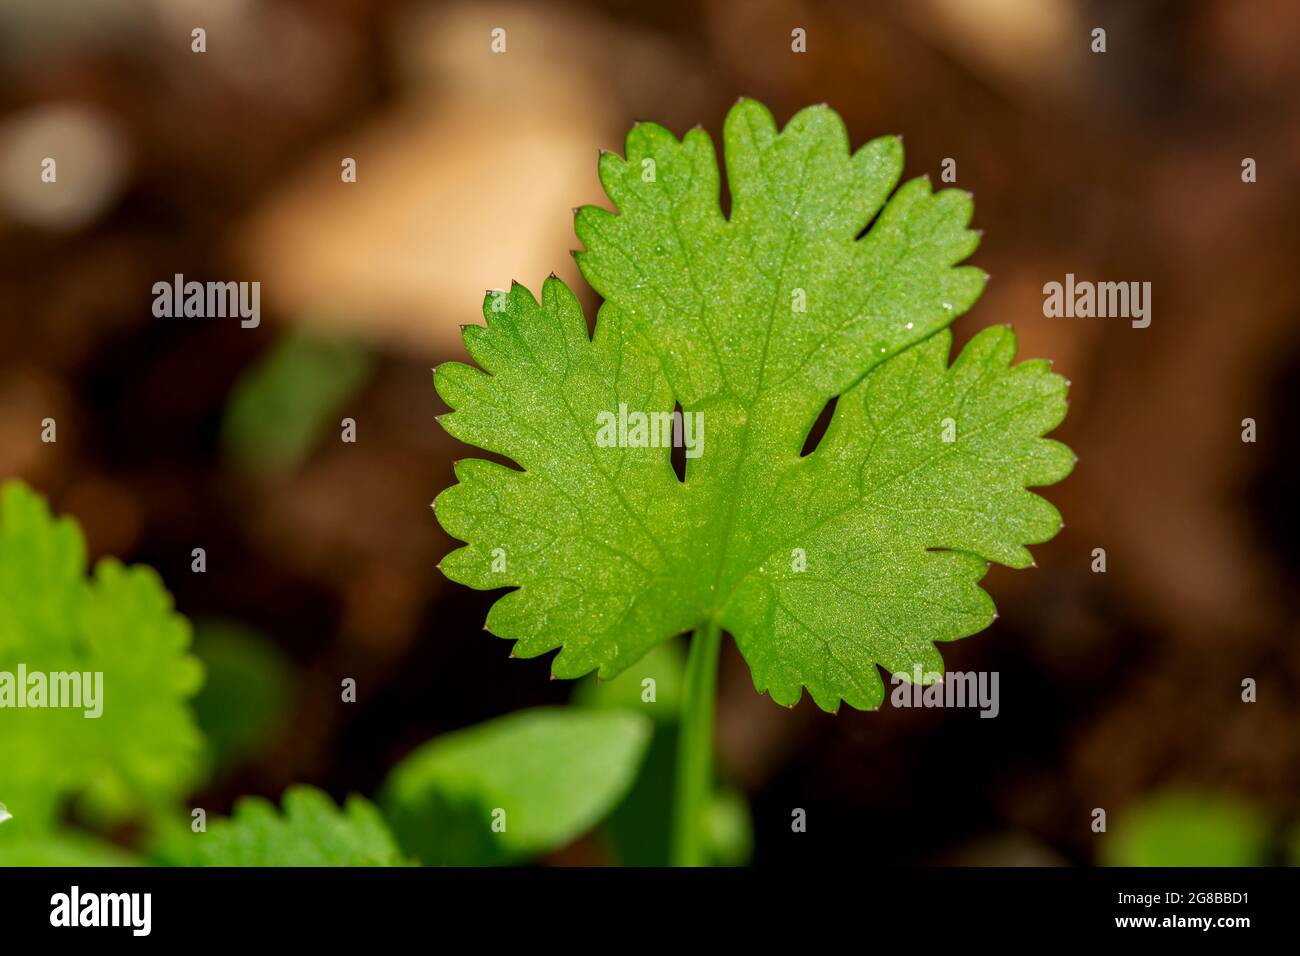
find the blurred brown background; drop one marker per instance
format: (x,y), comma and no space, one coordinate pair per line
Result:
(1122,166)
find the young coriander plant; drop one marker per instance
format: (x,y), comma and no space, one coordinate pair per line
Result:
(558,771)
(823,566)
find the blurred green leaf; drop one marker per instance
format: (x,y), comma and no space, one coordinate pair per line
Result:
(244,703)
(547,775)
(639,831)
(64,848)
(729,828)
(144,749)
(283,405)
(664,664)
(1187,829)
(168,841)
(310,832)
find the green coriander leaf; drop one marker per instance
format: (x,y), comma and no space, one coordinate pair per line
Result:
(514,787)
(781,304)
(310,832)
(143,747)
(825,566)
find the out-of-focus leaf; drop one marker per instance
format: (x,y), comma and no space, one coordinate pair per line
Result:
(664,664)
(143,750)
(310,832)
(243,704)
(729,828)
(639,831)
(63,848)
(286,401)
(1187,829)
(513,787)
